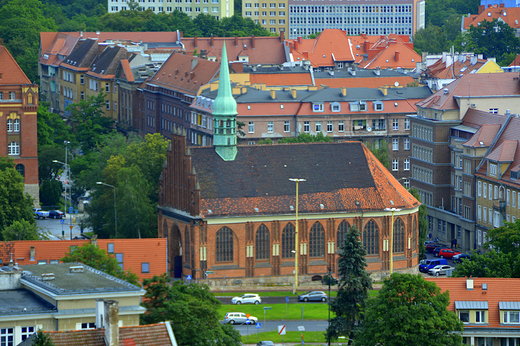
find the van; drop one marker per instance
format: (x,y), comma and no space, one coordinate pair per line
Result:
(429,264)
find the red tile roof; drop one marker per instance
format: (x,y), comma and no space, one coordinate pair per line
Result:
(458,68)
(135,252)
(11,71)
(505,152)
(271,79)
(127,70)
(477,84)
(509,15)
(395,55)
(373,82)
(152,334)
(498,290)
(484,136)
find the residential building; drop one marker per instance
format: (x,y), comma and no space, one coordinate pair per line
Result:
(402,17)
(60,297)
(228,210)
(443,174)
(144,257)
(507,15)
(507,3)
(18,106)
(272,15)
(488,307)
(216,8)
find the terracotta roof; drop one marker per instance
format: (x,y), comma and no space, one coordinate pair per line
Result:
(135,252)
(261,50)
(484,136)
(509,15)
(185,73)
(498,290)
(257,181)
(372,82)
(270,79)
(441,71)
(505,152)
(330,46)
(152,334)
(395,55)
(127,71)
(477,84)
(475,118)
(11,71)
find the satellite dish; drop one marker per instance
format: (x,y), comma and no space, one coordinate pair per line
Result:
(369,129)
(396,84)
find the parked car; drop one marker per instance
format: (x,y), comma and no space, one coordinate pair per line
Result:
(448,253)
(40,214)
(56,214)
(248,298)
(429,264)
(265,343)
(459,257)
(239,318)
(437,250)
(440,270)
(316,296)
(431,246)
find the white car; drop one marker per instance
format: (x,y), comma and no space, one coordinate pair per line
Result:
(239,318)
(441,269)
(248,298)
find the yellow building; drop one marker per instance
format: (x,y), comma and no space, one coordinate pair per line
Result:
(271,14)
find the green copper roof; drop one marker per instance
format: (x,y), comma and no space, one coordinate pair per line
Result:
(224,104)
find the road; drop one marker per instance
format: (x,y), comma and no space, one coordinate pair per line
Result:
(267,300)
(269,326)
(54,227)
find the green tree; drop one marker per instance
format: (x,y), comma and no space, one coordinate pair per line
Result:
(16,205)
(410,311)
(380,150)
(22,230)
(52,130)
(423,223)
(354,285)
(306,138)
(97,258)
(42,339)
(187,307)
(431,39)
(50,193)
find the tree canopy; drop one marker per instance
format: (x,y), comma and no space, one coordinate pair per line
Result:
(410,311)
(22,230)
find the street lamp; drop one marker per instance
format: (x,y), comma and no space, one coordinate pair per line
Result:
(115,209)
(391,247)
(296,244)
(328,330)
(67,167)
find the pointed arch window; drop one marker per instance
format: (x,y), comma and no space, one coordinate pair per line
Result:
(317,241)
(288,241)
(398,236)
(262,243)
(20,169)
(371,238)
(224,245)
(343,228)
(16,125)
(187,246)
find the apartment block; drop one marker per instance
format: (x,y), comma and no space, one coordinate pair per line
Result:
(271,14)
(217,8)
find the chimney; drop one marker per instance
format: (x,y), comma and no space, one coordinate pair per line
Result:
(469,283)
(212,41)
(366,45)
(343,91)
(236,41)
(474,59)
(110,321)
(384,90)
(195,41)
(282,36)
(273,95)
(293,93)
(300,40)
(397,56)
(253,41)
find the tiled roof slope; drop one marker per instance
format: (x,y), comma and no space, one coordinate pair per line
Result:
(498,290)
(505,152)
(280,79)
(152,334)
(372,82)
(135,252)
(11,73)
(82,56)
(441,70)
(260,50)
(477,84)
(257,181)
(106,64)
(185,73)
(395,55)
(55,46)
(330,46)
(509,15)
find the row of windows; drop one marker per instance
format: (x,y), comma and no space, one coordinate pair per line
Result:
(7,334)
(271,14)
(350,9)
(349,20)
(294,32)
(422,132)
(169,1)
(225,240)
(264,5)
(422,153)
(12,95)
(422,174)
(395,165)
(13,125)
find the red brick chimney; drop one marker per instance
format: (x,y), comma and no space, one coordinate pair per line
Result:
(253,41)
(300,39)
(397,56)
(212,41)
(236,41)
(282,36)
(367,46)
(195,41)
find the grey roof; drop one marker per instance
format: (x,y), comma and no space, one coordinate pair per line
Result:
(360,73)
(66,283)
(465,128)
(509,305)
(471,305)
(22,301)
(103,62)
(78,55)
(268,69)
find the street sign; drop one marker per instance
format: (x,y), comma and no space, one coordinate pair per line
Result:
(281,330)
(301,328)
(258,325)
(62,221)
(71,227)
(209,271)
(287,299)
(267,308)
(71,210)
(188,277)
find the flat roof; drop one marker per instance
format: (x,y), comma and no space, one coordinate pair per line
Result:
(22,301)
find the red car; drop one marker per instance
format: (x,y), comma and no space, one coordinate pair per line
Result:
(430,247)
(448,253)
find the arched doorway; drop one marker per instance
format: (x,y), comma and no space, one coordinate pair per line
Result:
(176,251)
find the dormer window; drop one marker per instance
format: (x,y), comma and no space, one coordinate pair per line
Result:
(493,169)
(362,106)
(335,106)
(378,106)
(317,107)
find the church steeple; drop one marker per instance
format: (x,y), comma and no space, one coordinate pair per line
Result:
(225,114)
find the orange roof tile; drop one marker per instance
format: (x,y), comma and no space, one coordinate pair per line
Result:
(505,152)
(11,71)
(458,68)
(127,70)
(281,78)
(484,136)
(373,82)
(393,56)
(509,15)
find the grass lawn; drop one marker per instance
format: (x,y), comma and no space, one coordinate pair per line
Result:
(311,311)
(289,337)
(371,293)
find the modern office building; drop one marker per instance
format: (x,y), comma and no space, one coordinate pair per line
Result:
(216,8)
(271,14)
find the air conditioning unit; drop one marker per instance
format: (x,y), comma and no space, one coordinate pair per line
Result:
(473,105)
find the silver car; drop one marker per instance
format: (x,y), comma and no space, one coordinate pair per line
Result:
(441,269)
(248,298)
(239,318)
(316,296)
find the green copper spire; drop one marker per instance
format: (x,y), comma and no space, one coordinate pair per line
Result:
(225,114)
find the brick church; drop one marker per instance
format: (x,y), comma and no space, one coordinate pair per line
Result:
(229,211)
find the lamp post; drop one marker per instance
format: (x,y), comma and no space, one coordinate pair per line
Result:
(67,167)
(391,247)
(328,301)
(115,209)
(296,244)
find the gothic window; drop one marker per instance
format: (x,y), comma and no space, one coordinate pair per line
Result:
(371,238)
(342,233)
(317,241)
(20,169)
(262,243)
(187,246)
(288,241)
(224,245)
(398,236)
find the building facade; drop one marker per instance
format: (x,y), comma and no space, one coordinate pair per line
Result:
(18,108)
(217,8)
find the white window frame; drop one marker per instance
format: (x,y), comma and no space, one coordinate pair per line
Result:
(395,124)
(306,126)
(286,126)
(406,164)
(395,144)
(13,148)
(251,127)
(270,127)
(507,317)
(407,124)
(330,126)
(341,128)
(317,126)
(395,165)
